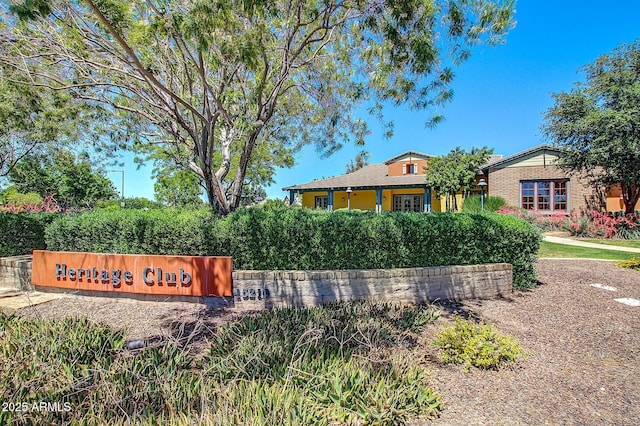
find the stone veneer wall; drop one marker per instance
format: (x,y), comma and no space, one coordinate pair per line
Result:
(15,272)
(255,290)
(266,289)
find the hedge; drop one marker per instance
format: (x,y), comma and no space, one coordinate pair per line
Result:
(22,233)
(301,239)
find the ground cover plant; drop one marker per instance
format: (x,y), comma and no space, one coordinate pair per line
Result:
(476,345)
(300,239)
(333,364)
(633,263)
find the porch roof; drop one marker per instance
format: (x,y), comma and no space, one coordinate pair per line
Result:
(372,176)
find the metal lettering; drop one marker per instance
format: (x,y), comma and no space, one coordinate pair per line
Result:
(185,278)
(128,277)
(61,270)
(145,276)
(115,277)
(71,274)
(159,275)
(170,278)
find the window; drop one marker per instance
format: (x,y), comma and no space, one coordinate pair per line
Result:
(545,195)
(560,195)
(321,202)
(410,169)
(528,194)
(408,203)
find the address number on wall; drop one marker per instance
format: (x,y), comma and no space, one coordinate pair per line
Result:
(251,293)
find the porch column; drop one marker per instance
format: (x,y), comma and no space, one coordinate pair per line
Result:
(378,200)
(291,195)
(427,199)
(330,200)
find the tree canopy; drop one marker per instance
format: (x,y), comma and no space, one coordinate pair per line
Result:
(598,123)
(72,182)
(177,189)
(211,81)
(449,174)
(361,159)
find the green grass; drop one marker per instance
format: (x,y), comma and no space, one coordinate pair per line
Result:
(548,249)
(615,242)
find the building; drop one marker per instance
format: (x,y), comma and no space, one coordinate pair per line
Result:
(529,179)
(398,184)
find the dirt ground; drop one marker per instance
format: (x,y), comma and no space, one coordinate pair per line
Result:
(583,347)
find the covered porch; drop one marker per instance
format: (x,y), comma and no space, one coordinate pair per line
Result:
(408,198)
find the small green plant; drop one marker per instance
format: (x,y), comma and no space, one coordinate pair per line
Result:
(633,263)
(473,204)
(476,345)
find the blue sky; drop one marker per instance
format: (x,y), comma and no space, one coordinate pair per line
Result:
(500,96)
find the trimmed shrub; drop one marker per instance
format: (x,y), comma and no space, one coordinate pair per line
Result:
(285,238)
(476,345)
(473,204)
(21,233)
(169,232)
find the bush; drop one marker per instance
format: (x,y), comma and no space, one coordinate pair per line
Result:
(605,225)
(633,263)
(476,345)
(168,232)
(281,239)
(473,204)
(332,364)
(22,233)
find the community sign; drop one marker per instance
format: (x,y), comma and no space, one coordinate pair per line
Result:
(134,273)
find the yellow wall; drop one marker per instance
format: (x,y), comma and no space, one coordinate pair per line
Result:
(309,198)
(366,199)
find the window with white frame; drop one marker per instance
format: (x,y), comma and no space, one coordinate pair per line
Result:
(321,202)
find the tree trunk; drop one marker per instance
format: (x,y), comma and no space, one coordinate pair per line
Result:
(630,197)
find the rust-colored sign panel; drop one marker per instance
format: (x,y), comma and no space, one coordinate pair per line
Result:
(134,273)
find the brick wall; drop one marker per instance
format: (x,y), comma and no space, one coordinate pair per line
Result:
(505,183)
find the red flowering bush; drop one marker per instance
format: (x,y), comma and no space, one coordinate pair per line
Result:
(517,212)
(607,225)
(48,205)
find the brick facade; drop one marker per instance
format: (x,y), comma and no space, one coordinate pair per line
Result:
(505,182)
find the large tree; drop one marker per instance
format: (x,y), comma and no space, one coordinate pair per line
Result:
(73,182)
(455,172)
(212,80)
(35,120)
(598,123)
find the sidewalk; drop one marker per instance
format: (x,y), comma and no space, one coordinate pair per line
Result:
(572,242)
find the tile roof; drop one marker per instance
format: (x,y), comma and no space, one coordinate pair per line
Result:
(368,176)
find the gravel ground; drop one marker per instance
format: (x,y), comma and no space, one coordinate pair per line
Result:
(583,364)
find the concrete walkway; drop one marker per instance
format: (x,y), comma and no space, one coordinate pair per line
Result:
(12,298)
(572,242)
